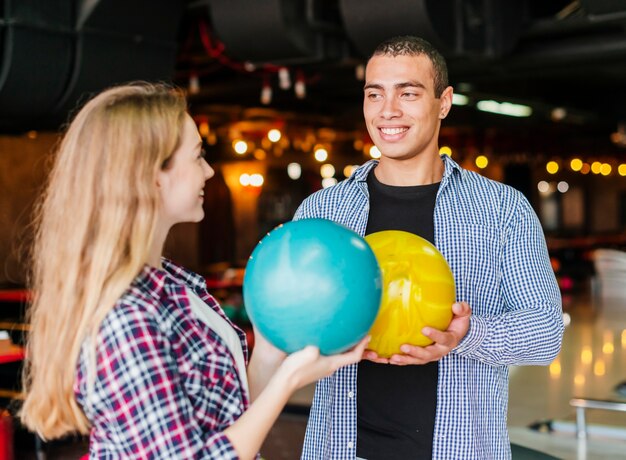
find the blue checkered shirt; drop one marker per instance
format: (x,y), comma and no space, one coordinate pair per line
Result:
(495,246)
(166,384)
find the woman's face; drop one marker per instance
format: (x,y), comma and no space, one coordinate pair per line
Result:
(182,183)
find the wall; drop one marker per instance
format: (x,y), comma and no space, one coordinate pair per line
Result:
(23,165)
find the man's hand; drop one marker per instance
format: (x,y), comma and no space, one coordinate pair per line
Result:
(444,341)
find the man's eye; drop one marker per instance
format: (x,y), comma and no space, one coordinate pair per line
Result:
(202,154)
(374,96)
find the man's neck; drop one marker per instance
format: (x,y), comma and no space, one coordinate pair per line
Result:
(419,170)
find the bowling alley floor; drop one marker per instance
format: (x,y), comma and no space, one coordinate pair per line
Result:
(591,364)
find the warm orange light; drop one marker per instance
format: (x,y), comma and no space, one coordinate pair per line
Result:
(445,150)
(599,368)
(576,164)
(481,161)
(552,167)
(596,167)
(606,169)
(586,355)
(555,369)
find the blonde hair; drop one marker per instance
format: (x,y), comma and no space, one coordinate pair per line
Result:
(95,226)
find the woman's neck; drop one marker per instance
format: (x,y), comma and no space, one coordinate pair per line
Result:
(156,249)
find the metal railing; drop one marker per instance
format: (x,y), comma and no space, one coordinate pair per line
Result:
(582,404)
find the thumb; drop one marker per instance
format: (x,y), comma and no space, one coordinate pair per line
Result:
(461,309)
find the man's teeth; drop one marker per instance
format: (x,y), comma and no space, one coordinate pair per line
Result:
(392,131)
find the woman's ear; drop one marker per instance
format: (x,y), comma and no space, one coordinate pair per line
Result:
(161,178)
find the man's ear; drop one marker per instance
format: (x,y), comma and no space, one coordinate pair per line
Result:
(445,101)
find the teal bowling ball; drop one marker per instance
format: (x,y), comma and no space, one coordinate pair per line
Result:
(312,282)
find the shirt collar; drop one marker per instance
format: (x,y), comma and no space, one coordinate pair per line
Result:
(155,279)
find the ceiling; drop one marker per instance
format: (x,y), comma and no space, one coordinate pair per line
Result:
(546,54)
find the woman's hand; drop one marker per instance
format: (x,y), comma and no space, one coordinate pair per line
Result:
(307,365)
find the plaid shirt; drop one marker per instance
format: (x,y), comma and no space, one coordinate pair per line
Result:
(166,385)
(495,246)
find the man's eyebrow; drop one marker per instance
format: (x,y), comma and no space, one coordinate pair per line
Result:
(404,84)
(409,84)
(372,86)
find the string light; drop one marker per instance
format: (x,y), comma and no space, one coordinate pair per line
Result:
(375,152)
(543,187)
(576,164)
(445,150)
(294,171)
(321,154)
(552,167)
(274,135)
(329,182)
(327,170)
(481,161)
(240,147)
(605,169)
(596,167)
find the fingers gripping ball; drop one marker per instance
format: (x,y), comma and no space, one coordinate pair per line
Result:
(418,291)
(312,282)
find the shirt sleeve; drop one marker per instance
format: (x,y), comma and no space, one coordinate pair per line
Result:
(531,328)
(139,396)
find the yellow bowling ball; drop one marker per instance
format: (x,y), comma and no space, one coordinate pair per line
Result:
(418,291)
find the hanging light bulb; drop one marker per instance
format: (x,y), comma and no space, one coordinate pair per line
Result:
(194,83)
(359,72)
(300,86)
(266,92)
(284,79)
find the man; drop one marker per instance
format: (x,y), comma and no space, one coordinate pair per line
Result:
(448,400)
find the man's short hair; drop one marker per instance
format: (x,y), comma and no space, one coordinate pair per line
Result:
(407,45)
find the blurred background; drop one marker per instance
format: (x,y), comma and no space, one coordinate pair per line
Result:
(275,87)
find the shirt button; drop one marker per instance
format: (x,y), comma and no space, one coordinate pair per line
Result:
(350,445)
(350,394)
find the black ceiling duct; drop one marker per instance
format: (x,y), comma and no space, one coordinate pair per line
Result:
(118,41)
(483,28)
(269,30)
(54,52)
(607,8)
(35,60)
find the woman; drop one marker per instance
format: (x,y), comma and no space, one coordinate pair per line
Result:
(125,345)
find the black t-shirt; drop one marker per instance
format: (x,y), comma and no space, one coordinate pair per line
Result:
(396,404)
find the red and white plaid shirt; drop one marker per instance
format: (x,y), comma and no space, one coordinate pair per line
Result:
(166,385)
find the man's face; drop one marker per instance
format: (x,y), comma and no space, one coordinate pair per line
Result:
(401,111)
